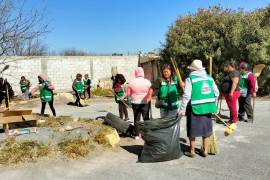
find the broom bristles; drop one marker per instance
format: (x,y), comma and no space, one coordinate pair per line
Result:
(213,147)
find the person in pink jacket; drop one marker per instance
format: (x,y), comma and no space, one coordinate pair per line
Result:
(140,92)
(45,88)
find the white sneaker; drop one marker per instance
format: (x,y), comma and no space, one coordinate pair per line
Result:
(137,137)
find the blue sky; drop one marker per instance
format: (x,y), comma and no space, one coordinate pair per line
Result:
(121,26)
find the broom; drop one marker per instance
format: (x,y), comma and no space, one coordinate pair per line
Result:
(213,146)
(177,71)
(257,70)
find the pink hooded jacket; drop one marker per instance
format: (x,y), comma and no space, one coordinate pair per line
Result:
(42,76)
(138,88)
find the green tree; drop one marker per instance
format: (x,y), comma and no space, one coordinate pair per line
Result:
(224,34)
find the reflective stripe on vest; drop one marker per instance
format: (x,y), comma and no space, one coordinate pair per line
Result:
(202,97)
(202,101)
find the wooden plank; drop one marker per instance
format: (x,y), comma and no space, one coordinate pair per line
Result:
(9,119)
(29,117)
(13,119)
(17,113)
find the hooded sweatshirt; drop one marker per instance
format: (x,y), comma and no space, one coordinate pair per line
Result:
(43,77)
(138,88)
(188,88)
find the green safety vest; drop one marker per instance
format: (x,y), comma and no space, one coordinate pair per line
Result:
(23,86)
(243,84)
(79,86)
(170,96)
(46,95)
(202,98)
(120,93)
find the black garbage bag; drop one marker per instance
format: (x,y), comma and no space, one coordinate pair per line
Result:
(119,124)
(161,138)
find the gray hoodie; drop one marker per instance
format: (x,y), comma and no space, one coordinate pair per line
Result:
(188,88)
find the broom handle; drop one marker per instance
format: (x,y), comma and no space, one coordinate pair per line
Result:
(125,103)
(220,103)
(254,99)
(222,120)
(210,65)
(176,70)
(7,97)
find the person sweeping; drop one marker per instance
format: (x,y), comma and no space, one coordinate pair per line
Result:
(247,87)
(87,83)
(78,88)
(199,101)
(119,92)
(45,88)
(25,85)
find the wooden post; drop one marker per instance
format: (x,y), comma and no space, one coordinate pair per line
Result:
(210,65)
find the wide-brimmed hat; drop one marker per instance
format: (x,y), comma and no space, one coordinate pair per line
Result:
(196,65)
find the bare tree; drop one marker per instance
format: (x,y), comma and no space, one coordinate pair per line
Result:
(19,28)
(31,47)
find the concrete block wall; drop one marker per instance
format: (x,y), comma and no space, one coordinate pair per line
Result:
(60,70)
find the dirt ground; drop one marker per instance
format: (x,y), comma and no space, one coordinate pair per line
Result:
(243,155)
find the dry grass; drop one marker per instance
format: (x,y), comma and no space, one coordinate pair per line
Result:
(103,92)
(14,152)
(100,138)
(54,121)
(61,120)
(75,148)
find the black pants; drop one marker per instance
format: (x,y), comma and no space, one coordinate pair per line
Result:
(138,110)
(88,92)
(77,102)
(6,100)
(43,105)
(122,110)
(245,107)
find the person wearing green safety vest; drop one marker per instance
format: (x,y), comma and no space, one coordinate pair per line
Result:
(199,101)
(247,87)
(119,88)
(45,88)
(87,83)
(168,92)
(25,85)
(78,88)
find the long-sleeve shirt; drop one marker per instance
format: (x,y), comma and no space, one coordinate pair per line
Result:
(251,83)
(138,89)
(188,88)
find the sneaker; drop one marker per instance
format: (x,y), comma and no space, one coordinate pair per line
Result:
(126,119)
(137,137)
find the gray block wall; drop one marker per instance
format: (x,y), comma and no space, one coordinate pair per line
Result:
(60,70)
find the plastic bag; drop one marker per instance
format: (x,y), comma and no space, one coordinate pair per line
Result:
(162,140)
